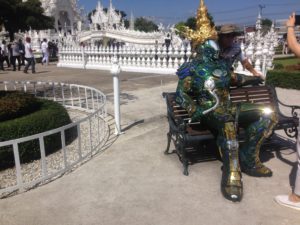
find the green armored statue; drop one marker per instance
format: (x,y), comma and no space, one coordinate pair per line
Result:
(208,78)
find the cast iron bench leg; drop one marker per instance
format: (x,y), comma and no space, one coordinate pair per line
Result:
(184,159)
(169,134)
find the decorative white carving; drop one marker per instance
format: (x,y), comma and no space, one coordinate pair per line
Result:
(259,48)
(65,12)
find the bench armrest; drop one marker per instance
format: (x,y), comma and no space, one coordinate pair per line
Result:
(293,108)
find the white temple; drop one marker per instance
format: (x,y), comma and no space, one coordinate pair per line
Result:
(65,13)
(106,26)
(109,19)
(94,46)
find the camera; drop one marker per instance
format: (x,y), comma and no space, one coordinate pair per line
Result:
(297,20)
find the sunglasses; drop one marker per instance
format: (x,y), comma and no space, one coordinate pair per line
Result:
(229,35)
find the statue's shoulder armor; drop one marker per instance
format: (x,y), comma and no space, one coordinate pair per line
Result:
(192,69)
(185,70)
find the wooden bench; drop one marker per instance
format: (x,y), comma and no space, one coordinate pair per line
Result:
(189,138)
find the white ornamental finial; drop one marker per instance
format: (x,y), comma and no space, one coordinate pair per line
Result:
(99,6)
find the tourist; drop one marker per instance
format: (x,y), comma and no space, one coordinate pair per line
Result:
(291,37)
(1,59)
(167,42)
(292,200)
(29,57)
(45,51)
(51,47)
(285,48)
(5,53)
(230,50)
(9,50)
(22,52)
(16,56)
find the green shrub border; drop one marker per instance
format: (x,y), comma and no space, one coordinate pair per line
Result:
(51,115)
(15,104)
(284,79)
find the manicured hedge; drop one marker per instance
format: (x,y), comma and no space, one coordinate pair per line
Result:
(14,104)
(50,115)
(284,79)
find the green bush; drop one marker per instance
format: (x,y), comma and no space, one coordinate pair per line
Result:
(15,104)
(287,61)
(278,66)
(49,116)
(284,79)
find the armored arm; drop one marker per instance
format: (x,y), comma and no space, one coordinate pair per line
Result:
(184,91)
(184,98)
(240,80)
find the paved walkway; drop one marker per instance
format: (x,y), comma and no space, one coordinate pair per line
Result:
(134,183)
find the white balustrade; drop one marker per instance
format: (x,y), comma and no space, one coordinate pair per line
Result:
(144,59)
(158,59)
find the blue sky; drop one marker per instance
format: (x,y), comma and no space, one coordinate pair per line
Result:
(224,11)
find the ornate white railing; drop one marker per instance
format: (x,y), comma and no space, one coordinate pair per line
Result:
(89,106)
(144,59)
(123,35)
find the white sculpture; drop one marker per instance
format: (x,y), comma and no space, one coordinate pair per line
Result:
(259,48)
(64,12)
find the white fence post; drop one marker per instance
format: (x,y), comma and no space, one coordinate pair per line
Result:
(115,71)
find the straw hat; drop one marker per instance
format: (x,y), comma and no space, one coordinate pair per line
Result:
(229,29)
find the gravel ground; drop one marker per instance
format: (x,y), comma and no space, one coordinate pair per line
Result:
(55,162)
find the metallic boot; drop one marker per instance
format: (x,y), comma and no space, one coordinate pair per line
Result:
(250,161)
(231,184)
(249,154)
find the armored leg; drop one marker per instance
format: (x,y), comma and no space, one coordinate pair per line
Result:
(256,133)
(231,184)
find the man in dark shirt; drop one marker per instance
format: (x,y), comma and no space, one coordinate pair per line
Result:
(230,50)
(1,60)
(22,52)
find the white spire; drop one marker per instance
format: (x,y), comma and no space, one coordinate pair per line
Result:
(258,21)
(99,6)
(131,25)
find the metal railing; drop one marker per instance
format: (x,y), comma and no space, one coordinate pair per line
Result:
(89,106)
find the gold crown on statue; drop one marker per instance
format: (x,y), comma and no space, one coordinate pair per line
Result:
(204,31)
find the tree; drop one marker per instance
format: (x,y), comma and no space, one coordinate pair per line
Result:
(191,23)
(16,15)
(266,25)
(143,24)
(180,27)
(266,22)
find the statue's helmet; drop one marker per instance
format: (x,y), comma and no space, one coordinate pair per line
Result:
(209,50)
(204,31)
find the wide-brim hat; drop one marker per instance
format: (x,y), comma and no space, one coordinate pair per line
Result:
(229,29)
